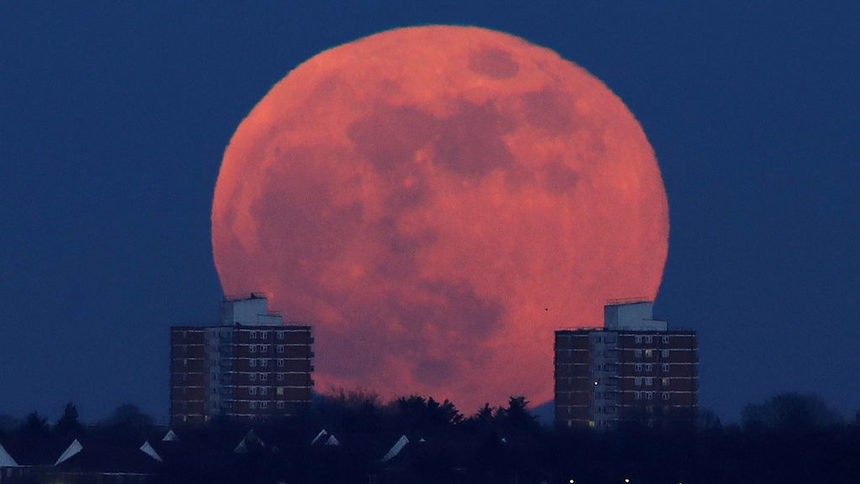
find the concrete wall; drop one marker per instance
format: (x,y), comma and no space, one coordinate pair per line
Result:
(632,317)
(251,312)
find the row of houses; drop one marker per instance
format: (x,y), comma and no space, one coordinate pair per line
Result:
(117,459)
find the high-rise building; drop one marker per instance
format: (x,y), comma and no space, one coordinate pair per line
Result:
(250,366)
(634,369)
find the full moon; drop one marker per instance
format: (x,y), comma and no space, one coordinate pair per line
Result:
(436,201)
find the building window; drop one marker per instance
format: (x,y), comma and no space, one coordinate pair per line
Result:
(252,391)
(649,367)
(252,377)
(252,348)
(253,335)
(252,363)
(666,367)
(280,335)
(649,381)
(664,353)
(280,377)
(264,363)
(649,353)
(263,377)
(648,340)
(264,348)
(264,391)
(280,363)
(638,367)
(665,339)
(280,348)
(637,339)
(280,391)
(665,382)
(252,405)
(280,405)
(637,381)
(649,395)
(264,404)
(637,353)
(665,395)
(263,334)
(637,395)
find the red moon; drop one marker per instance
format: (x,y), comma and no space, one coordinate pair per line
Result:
(436,201)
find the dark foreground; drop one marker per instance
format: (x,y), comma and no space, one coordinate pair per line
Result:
(503,445)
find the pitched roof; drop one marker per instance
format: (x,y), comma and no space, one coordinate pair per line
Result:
(148,450)
(319,436)
(6,460)
(396,448)
(107,455)
(332,440)
(249,441)
(72,450)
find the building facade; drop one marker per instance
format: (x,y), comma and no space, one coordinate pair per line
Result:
(250,366)
(634,369)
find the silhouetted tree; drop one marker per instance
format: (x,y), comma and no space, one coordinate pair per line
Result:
(68,424)
(8,424)
(356,398)
(426,415)
(708,420)
(128,422)
(516,417)
(35,426)
(129,415)
(484,415)
(789,411)
(351,410)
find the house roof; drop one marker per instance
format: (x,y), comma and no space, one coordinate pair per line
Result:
(6,460)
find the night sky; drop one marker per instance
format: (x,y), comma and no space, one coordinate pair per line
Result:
(114,118)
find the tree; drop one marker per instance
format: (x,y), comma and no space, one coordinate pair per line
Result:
(8,424)
(427,415)
(68,424)
(516,416)
(349,410)
(485,417)
(789,411)
(708,420)
(35,427)
(129,422)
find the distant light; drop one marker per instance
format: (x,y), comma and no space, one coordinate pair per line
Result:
(570,481)
(627,481)
(595,382)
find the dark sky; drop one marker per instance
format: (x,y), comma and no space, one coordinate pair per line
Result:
(114,117)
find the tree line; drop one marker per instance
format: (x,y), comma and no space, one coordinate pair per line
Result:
(789,437)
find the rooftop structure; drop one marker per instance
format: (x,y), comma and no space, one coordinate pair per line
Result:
(250,366)
(634,369)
